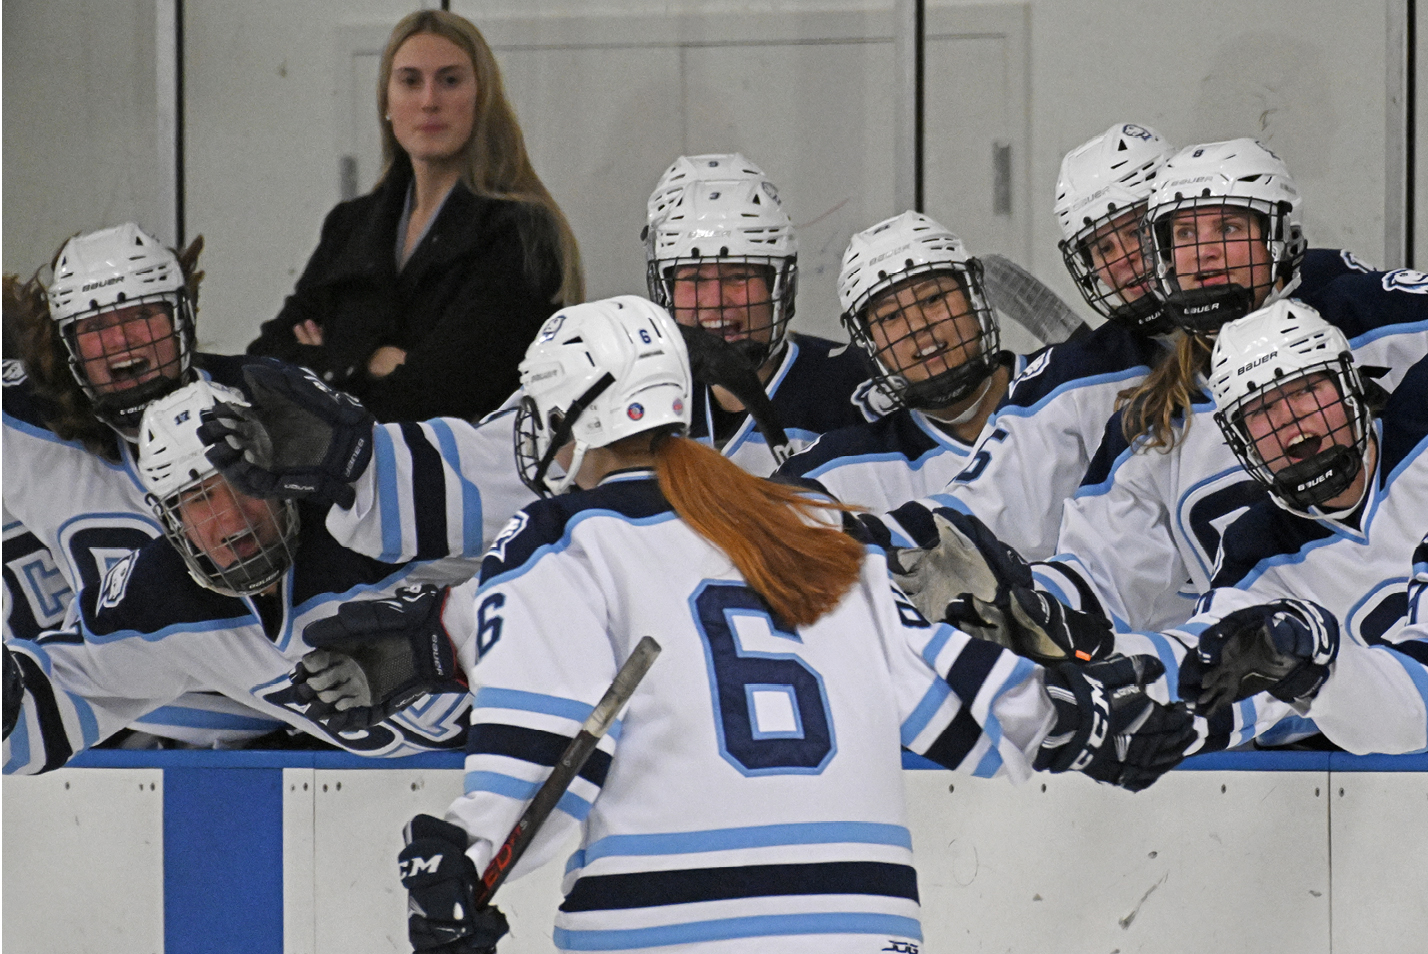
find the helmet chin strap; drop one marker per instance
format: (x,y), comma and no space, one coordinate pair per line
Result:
(568,481)
(971,410)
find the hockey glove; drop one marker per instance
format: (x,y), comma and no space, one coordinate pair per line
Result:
(376,657)
(967,560)
(299,440)
(1284,648)
(1108,728)
(441,882)
(14,692)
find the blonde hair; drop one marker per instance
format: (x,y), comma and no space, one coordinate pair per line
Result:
(778,537)
(496,164)
(46,359)
(1150,407)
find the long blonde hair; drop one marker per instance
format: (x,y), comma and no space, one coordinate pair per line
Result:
(1150,407)
(778,537)
(496,163)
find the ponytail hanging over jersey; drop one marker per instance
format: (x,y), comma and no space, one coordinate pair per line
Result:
(1167,392)
(789,547)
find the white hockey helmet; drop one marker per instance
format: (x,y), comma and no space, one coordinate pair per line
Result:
(1269,354)
(888,256)
(721,208)
(232,544)
(112,269)
(596,373)
(1103,180)
(1238,173)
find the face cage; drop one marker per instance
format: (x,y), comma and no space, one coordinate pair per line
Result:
(1204,310)
(247,575)
(1329,472)
(950,384)
(1145,315)
(124,409)
(784,272)
(537,442)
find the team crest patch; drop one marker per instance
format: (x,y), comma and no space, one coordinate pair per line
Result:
(116,582)
(635,411)
(678,405)
(1406,280)
(1136,132)
(508,533)
(552,327)
(14,372)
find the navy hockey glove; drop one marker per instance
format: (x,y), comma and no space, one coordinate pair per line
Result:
(1283,647)
(299,440)
(441,882)
(376,657)
(14,692)
(1108,728)
(966,560)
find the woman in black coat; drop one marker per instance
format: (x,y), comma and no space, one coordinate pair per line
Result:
(423,295)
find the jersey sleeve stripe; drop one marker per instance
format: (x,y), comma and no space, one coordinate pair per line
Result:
(956,742)
(523,791)
(489,697)
(18,742)
(472,528)
(532,745)
(694,885)
(428,493)
(732,928)
(922,715)
(385,460)
(57,747)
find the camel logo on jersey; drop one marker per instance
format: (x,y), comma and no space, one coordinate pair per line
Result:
(116,582)
(1406,280)
(1354,262)
(509,533)
(14,372)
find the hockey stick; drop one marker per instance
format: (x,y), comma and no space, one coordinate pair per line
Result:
(571,761)
(1022,297)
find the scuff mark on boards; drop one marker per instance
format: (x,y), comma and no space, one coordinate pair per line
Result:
(1125,922)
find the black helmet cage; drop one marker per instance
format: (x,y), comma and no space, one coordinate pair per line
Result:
(535,452)
(781,278)
(247,575)
(1326,475)
(1144,315)
(124,409)
(1204,310)
(954,382)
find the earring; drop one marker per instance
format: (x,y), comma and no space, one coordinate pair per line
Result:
(388,117)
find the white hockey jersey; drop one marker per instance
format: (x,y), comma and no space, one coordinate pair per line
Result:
(150,633)
(1141,536)
(88,514)
(751,796)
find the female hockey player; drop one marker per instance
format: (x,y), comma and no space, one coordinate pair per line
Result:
(913,299)
(752,790)
(722,256)
(1139,540)
(113,330)
(219,606)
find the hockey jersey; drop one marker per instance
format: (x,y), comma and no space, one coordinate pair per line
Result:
(879,464)
(819,386)
(149,633)
(1141,535)
(89,513)
(751,795)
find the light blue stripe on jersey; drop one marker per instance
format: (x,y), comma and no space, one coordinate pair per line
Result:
(488,697)
(523,791)
(992,761)
(471,525)
(1417,327)
(19,742)
(545,549)
(39,432)
(1249,715)
(205,719)
(734,839)
(932,701)
(387,495)
(765,925)
(1016,410)
(84,712)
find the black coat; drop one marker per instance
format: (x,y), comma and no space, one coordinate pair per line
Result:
(464,308)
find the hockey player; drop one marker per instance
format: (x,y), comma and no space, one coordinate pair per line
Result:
(113,330)
(1138,542)
(722,256)
(752,791)
(220,606)
(913,299)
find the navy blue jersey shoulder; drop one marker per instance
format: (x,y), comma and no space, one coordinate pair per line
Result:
(1405,418)
(20,400)
(1322,266)
(896,433)
(1262,532)
(544,522)
(1362,302)
(1108,349)
(225,369)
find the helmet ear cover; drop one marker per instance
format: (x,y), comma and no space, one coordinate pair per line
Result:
(560,427)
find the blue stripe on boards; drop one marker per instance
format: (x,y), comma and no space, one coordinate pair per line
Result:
(223,861)
(766,925)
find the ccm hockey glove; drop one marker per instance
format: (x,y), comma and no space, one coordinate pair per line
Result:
(299,440)
(1283,647)
(374,658)
(1108,728)
(441,881)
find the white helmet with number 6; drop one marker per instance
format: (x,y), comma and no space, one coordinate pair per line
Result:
(596,373)
(232,543)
